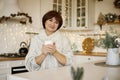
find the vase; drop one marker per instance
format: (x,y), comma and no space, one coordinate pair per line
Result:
(113,56)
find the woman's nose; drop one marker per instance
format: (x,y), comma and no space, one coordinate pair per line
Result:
(53,23)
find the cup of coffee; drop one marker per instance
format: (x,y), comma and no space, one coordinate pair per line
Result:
(48,42)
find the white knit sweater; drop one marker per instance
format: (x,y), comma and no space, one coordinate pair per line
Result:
(62,45)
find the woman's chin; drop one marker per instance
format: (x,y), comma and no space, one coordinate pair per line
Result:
(52,30)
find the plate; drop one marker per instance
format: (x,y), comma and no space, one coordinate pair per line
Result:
(88,45)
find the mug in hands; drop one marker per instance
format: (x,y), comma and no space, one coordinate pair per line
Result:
(48,42)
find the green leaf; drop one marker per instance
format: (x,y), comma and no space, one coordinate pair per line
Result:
(77,74)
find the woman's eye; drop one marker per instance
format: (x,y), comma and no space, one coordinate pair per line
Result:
(57,22)
(50,19)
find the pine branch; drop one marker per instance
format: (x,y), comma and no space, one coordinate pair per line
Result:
(77,74)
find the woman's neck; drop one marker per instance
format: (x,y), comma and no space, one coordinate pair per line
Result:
(48,33)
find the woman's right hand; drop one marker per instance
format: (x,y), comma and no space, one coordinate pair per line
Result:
(49,48)
(46,49)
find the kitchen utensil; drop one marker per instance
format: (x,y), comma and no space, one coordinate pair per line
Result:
(24,48)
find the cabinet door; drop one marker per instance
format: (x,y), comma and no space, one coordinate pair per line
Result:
(84,59)
(65,8)
(83,14)
(17,63)
(3,76)
(5,67)
(4,70)
(74,13)
(62,6)
(77,14)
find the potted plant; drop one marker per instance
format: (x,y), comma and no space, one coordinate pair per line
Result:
(111,42)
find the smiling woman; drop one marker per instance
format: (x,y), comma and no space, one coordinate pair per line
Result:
(54,53)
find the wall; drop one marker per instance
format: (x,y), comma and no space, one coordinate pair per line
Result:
(12,34)
(33,8)
(106,6)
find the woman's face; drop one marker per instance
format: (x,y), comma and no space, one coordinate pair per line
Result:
(51,25)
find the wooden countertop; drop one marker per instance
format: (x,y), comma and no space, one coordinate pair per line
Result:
(75,53)
(10,59)
(101,54)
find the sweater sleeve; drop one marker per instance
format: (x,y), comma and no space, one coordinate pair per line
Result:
(67,51)
(30,62)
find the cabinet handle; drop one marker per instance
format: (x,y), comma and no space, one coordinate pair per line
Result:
(88,58)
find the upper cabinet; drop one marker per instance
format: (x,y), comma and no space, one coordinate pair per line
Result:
(83,14)
(77,14)
(65,8)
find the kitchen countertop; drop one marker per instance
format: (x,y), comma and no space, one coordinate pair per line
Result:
(75,53)
(91,72)
(10,59)
(102,54)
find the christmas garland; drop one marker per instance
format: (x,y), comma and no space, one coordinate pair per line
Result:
(23,18)
(117,3)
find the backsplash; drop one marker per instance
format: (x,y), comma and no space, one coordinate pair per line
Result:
(77,37)
(12,35)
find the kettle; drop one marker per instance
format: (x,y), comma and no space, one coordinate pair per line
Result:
(23,50)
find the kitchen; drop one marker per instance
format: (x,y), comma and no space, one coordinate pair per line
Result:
(36,9)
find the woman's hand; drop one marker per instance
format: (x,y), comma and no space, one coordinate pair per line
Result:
(49,48)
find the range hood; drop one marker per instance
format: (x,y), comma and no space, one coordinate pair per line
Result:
(9,7)
(10,11)
(11,27)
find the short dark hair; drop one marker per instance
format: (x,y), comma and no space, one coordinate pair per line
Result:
(50,15)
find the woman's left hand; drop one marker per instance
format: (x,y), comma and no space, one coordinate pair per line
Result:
(52,48)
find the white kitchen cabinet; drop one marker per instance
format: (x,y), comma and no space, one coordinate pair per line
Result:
(62,6)
(77,14)
(4,70)
(83,14)
(78,59)
(17,63)
(5,67)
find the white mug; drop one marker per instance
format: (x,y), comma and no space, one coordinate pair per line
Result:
(48,42)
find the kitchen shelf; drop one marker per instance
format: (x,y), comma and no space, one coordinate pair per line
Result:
(110,23)
(102,54)
(91,34)
(113,23)
(82,30)
(11,59)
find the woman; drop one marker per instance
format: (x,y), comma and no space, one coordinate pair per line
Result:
(49,49)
